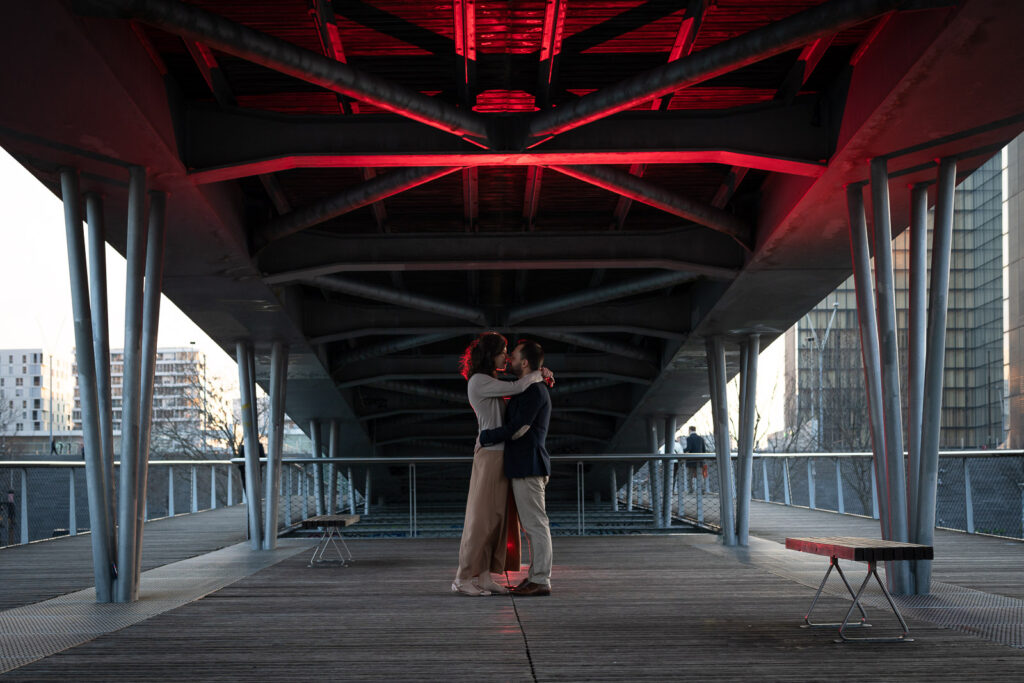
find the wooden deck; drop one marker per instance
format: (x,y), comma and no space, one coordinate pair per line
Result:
(658,607)
(45,569)
(624,608)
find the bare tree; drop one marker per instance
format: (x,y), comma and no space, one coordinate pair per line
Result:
(7,418)
(204,423)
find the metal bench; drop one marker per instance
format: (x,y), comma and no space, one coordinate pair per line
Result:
(868,550)
(331,526)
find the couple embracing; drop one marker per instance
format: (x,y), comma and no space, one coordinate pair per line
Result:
(510,448)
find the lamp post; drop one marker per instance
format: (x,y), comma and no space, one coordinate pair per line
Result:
(821,370)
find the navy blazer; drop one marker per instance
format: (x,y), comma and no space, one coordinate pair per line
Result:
(526,456)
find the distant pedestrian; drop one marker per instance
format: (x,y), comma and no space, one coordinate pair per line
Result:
(694,444)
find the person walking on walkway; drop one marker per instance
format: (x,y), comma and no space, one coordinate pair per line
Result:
(489,528)
(528,464)
(694,444)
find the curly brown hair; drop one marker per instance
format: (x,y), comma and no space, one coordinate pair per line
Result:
(479,355)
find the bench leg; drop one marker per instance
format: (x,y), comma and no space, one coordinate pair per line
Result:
(834,563)
(873,571)
(328,540)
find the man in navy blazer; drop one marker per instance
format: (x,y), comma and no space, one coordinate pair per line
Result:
(527,463)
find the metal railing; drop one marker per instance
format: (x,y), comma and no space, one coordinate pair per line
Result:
(979,491)
(46,498)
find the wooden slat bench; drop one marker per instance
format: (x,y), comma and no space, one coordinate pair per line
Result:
(331,526)
(870,550)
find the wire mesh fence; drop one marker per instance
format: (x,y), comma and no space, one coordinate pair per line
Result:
(45,499)
(977,491)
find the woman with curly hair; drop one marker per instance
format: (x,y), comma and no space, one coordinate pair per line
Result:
(483,549)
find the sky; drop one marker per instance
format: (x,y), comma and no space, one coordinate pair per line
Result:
(35,304)
(35,289)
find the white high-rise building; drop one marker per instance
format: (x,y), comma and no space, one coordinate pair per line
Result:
(35,386)
(177,388)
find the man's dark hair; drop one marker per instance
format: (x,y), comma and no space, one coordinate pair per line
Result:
(692,428)
(532,352)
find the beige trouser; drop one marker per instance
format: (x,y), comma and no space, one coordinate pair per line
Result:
(529,494)
(484,545)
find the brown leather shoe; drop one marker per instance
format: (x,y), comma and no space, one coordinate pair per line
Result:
(530,589)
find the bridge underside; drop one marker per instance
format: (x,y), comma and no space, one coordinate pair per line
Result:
(374,182)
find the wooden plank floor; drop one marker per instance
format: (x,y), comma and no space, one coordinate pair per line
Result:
(984,563)
(45,569)
(624,608)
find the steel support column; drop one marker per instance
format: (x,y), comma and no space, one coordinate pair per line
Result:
(135,253)
(275,441)
(897,573)
(653,472)
(916,349)
(938,293)
(101,353)
(334,449)
(715,348)
(668,468)
(247,389)
(150,325)
(318,473)
(869,344)
(99,508)
(749,350)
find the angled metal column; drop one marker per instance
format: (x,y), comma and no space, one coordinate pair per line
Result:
(275,440)
(247,389)
(715,348)
(334,449)
(749,350)
(652,471)
(897,573)
(127,535)
(101,352)
(150,325)
(868,343)
(938,293)
(318,474)
(99,507)
(667,468)
(916,349)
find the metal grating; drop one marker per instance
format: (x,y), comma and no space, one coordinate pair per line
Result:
(997,618)
(35,631)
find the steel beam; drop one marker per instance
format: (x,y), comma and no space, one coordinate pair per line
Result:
(642,191)
(228,144)
(424,390)
(99,506)
(393,346)
(125,586)
(892,412)
(275,441)
(730,55)
(599,295)
(334,451)
(280,55)
(373,190)
(701,252)
(596,343)
(150,325)
(938,302)
(398,298)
